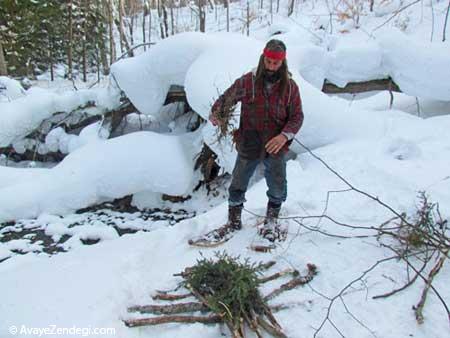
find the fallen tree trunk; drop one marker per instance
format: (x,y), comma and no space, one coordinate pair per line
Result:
(361,87)
(70,125)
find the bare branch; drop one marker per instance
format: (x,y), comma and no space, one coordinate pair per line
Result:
(211,319)
(169,309)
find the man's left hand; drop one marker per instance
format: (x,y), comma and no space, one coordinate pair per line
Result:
(275,144)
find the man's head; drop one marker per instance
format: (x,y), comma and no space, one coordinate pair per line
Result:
(272,65)
(274,54)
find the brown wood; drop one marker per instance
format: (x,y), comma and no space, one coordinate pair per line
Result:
(361,87)
(169,309)
(293,283)
(212,319)
(170,297)
(3,68)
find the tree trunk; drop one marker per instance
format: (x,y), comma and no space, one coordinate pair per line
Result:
(228,15)
(143,24)
(50,58)
(161,27)
(121,32)
(165,19)
(291,7)
(248,18)
(112,46)
(172,23)
(85,15)
(131,28)
(202,15)
(3,69)
(150,26)
(69,51)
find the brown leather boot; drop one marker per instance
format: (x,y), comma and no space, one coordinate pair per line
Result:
(271,230)
(234,216)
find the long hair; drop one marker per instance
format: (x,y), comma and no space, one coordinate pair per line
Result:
(276,46)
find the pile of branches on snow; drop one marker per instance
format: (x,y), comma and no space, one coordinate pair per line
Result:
(424,237)
(229,291)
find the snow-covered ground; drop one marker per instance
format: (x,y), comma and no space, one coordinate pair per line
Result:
(390,153)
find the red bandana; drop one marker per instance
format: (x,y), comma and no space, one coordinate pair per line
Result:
(274,55)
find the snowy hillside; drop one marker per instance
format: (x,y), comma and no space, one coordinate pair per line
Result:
(70,260)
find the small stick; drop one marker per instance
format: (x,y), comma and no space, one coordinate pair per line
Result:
(252,322)
(271,317)
(268,265)
(262,248)
(293,283)
(212,319)
(278,275)
(418,309)
(170,297)
(270,329)
(169,309)
(393,292)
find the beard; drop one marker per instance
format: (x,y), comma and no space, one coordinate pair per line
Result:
(272,76)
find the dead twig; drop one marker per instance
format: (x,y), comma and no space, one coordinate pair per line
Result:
(418,309)
(170,297)
(169,309)
(211,319)
(278,275)
(293,283)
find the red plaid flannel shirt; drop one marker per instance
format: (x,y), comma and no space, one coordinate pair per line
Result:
(263,116)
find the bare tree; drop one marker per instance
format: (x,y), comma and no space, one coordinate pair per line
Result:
(202,15)
(85,18)
(248,18)
(112,45)
(69,50)
(291,7)
(121,32)
(146,11)
(162,14)
(150,24)
(172,23)
(3,69)
(227,2)
(446,20)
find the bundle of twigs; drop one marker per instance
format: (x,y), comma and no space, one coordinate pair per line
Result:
(228,291)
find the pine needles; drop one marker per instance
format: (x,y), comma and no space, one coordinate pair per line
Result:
(229,287)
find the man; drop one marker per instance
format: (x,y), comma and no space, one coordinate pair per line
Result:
(271,115)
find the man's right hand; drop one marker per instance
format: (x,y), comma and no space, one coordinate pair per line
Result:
(213,120)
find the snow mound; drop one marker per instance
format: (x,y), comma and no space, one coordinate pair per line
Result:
(10,89)
(102,171)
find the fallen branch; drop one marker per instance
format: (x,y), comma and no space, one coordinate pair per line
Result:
(170,297)
(418,309)
(278,275)
(393,292)
(169,309)
(293,283)
(211,319)
(270,329)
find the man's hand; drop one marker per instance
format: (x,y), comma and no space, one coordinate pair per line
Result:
(274,145)
(213,119)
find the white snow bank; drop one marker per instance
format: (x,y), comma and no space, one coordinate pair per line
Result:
(146,78)
(419,69)
(10,89)
(105,170)
(58,140)
(21,116)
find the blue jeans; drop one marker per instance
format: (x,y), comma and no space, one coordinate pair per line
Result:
(274,173)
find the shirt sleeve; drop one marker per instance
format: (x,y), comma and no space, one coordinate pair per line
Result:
(295,113)
(222,107)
